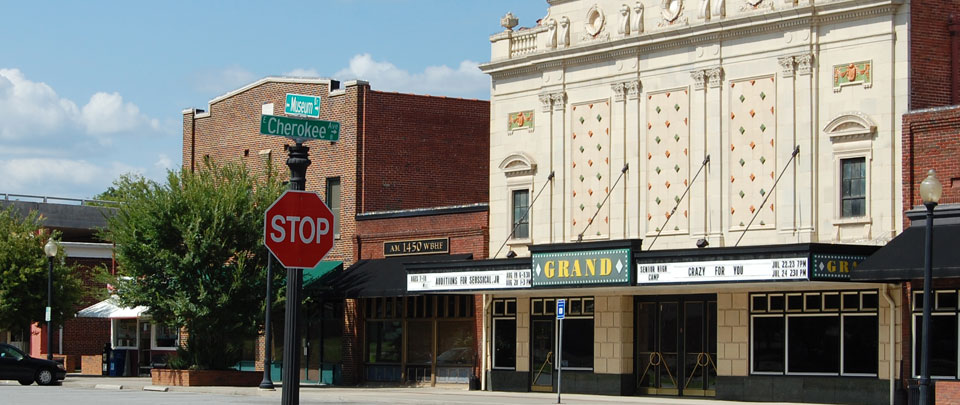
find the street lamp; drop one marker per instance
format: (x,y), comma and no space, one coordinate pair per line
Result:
(51,250)
(930,190)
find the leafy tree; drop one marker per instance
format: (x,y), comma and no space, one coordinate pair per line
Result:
(191,250)
(24,270)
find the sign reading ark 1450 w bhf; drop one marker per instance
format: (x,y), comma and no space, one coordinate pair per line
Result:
(299,128)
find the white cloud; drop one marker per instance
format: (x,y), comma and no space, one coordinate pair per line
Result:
(30,109)
(163,162)
(59,177)
(107,114)
(218,82)
(300,72)
(465,81)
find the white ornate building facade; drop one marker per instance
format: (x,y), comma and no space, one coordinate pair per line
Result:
(697,178)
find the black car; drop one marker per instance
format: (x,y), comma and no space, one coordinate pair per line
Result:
(16,365)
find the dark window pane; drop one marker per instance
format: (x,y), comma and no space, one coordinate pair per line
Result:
(441,306)
(588,306)
(333,202)
(384,339)
(947,300)
(456,343)
(505,343)
(760,303)
(795,302)
(498,307)
(332,337)
(576,305)
(768,343)
(853,187)
(538,307)
(647,327)
(831,301)
(813,302)
(521,221)
(943,345)
(814,344)
(851,301)
(860,344)
(577,343)
(549,307)
(511,307)
(776,303)
(869,300)
(419,342)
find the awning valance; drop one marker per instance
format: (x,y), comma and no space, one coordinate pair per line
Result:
(109,308)
(902,258)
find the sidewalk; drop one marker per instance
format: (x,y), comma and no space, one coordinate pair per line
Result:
(424,395)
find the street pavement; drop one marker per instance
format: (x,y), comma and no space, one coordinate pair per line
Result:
(77,390)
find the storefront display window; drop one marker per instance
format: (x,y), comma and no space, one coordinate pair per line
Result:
(456,344)
(164,337)
(578,342)
(505,333)
(384,339)
(814,333)
(943,330)
(125,333)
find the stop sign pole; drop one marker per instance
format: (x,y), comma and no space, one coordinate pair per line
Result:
(297,161)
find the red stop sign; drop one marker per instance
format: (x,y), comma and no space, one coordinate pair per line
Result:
(298,229)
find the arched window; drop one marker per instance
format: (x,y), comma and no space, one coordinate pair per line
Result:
(852,134)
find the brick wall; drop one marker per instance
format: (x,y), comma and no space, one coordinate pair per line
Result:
(931,140)
(934,64)
(467,233)
(422,151)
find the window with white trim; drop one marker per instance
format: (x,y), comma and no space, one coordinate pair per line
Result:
(853,187)
(505,333)
(944,351)
(519,205)
(163,337)
(814,333)
(577,350)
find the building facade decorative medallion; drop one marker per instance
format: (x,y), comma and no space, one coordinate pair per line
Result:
(520,120)
(670,10)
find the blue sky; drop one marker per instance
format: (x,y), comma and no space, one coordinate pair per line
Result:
(90,90)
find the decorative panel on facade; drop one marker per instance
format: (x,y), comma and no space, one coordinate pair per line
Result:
(590,168)
(752,151)
(667,161)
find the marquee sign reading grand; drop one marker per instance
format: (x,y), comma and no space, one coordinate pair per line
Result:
(582,268)
(791,268)
(469,280)
(416,247)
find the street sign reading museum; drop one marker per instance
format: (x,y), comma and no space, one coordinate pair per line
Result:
(299,128)
(303,105)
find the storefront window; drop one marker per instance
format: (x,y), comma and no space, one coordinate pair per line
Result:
(943,333)
(578,342)
(505,333)
(384,340)
(812,332)
(456,343)
(125,333)
(164,337)
(419,342)
(332,331)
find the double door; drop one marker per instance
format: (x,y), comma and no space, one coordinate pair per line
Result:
(676,345)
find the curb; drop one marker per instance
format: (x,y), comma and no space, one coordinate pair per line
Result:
(156,388)
(108,387)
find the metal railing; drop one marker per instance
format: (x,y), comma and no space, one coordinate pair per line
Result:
(56,200)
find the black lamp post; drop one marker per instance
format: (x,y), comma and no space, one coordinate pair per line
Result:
(50,249)
(930,191)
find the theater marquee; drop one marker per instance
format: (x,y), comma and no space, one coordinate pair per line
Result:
(469,280)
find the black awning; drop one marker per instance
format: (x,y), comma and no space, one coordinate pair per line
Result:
(381,277)
(902,258)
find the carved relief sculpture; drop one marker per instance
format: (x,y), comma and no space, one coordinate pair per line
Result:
(624,20)
(545,101)
(559,100)
(699,79)
(715,76)
(563,36)
(633,89)
(619,91)
(593,27)
(670,10)
(786,65)
(509,21)
(520,120)
(704,12)
(551,33)
(851,74)
(638,17)
(805,64)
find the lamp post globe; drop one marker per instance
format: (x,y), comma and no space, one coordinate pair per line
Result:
(930,192)
(50,249)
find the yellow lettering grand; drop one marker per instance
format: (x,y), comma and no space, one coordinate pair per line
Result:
(831,266)
(548,268)
(592,266)
(564,269)
(576,269)
(844,266)
(606,266)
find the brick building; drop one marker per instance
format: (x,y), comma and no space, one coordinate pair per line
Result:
(406,169)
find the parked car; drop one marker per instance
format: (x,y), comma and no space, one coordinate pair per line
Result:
(17,365)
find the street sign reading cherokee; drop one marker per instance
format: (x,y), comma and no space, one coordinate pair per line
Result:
(299,128)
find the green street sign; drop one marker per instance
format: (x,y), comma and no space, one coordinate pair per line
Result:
(300,128)
(302,105)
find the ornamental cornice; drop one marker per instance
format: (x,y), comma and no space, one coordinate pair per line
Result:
(712,31)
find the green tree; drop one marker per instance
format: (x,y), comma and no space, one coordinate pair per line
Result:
(24,271)
(191,249)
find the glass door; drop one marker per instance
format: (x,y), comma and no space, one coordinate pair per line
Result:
(676,345)
(542,355)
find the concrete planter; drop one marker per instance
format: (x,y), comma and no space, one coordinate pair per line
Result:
(201,378)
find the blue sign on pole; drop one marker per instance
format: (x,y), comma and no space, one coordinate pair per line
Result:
(561,308)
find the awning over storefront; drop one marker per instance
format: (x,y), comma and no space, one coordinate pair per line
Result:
(109,308)
(380,277)
(902,258)
(323,273)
